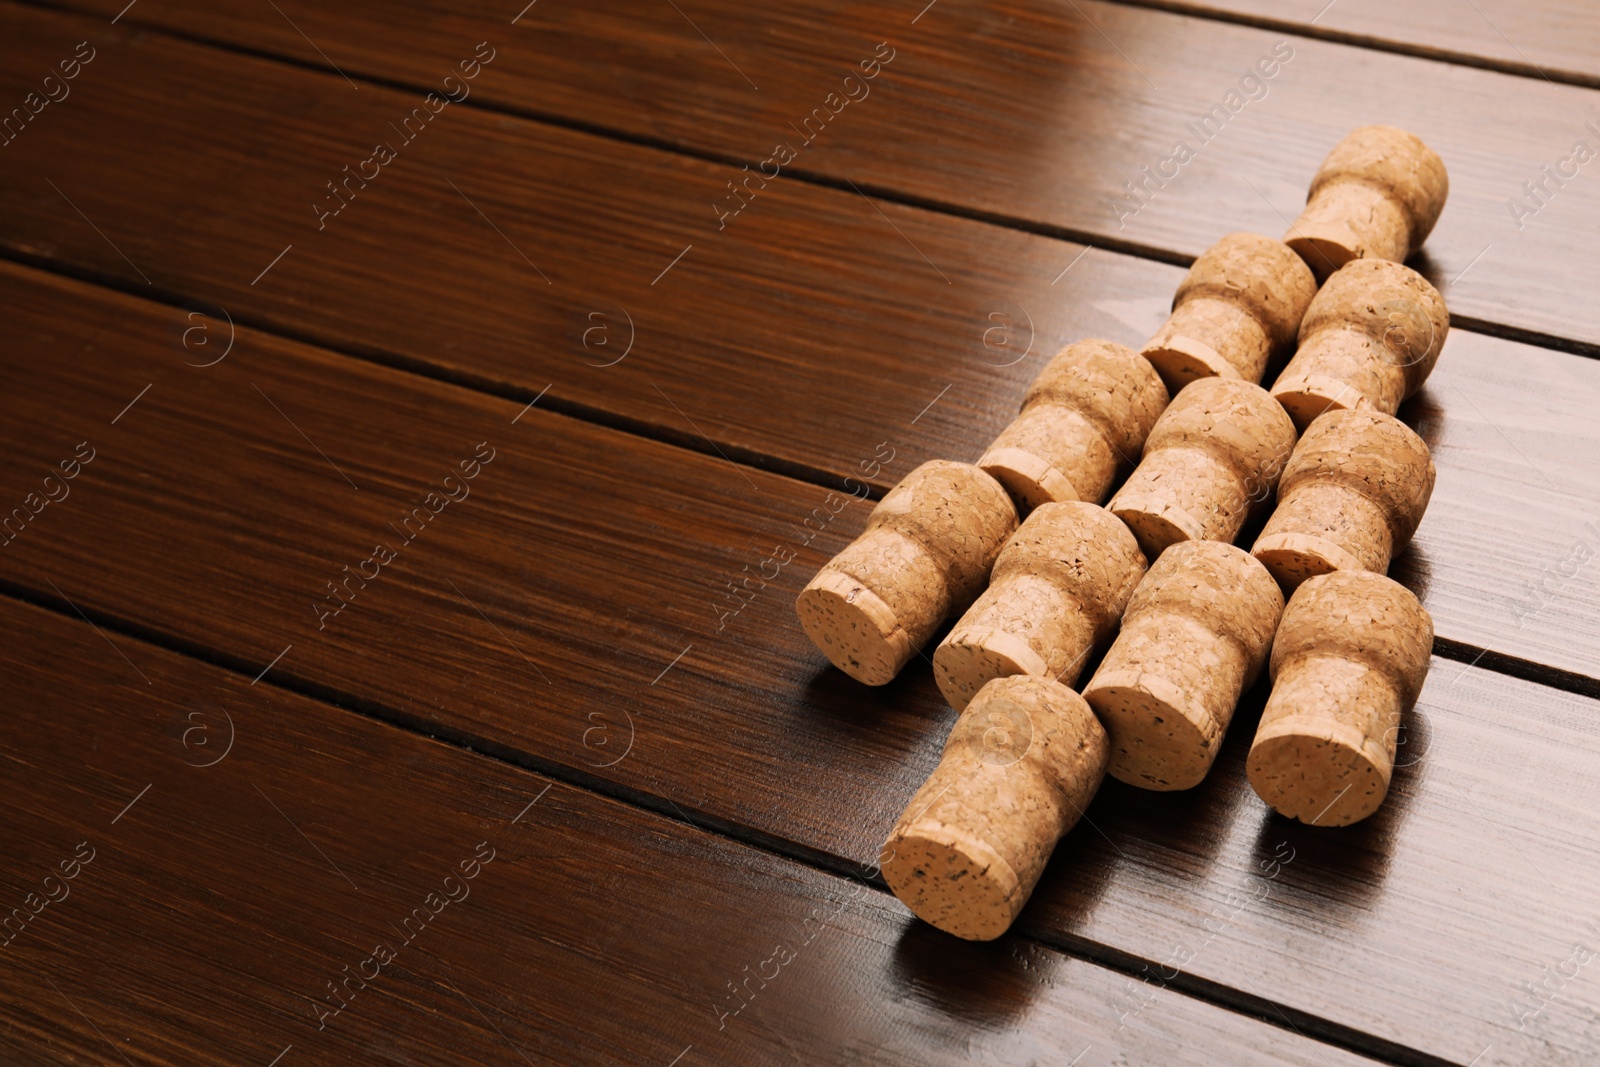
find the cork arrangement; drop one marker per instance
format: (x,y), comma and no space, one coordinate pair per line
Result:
(1040,577)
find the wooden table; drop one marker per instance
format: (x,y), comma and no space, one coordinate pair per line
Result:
(455,398)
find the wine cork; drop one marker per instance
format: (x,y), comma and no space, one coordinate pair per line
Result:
(1370,340)
(1020,767)
(1057,591)
(924,556)
(1348,661)
(1238,307)
(1082,426)
(1376,196)
(1212,460)
(1350,498)
(1194,637)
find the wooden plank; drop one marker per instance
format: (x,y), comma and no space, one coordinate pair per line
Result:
(1030,111)
(530,620)
(247,847)
(1557,39)
(815,334)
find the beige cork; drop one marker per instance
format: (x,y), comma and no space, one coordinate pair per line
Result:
(1020,767)
(1057,591)
(1238,308)
(1348,661)
(1082,426)
(1194,637)
(1212,460)
(1350,498)
(924,556)
(1376,196)
(1370,340)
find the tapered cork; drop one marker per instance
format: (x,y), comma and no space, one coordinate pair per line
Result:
(1020,767)
(1376,196)
(1194,637)
(1212,460)
(1238,307)
(1350,498)
(1082,426)
(1057,591)
(1348,661)
(1370,340)
(924,556)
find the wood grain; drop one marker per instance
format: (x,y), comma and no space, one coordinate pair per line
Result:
(579,638)
(1556,39)
(229,886)
(1027,111)
(804,342)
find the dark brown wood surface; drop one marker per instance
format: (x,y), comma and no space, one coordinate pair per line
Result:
(265,401)
(1555,39)
(1029,111)
(817,301)
(204,496)
(249,846)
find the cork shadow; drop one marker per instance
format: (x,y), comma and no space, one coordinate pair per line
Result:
(982,984)
(1343,866)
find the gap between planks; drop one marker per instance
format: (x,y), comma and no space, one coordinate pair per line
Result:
(1216,994)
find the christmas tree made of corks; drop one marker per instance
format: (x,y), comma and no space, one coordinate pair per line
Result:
(1190,619)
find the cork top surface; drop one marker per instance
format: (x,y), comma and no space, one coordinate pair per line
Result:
(1236,420)
(960,514)
(1110,384)
(1373,454)
(1398,163)
(1220,585)
(1082,549)
(1390,303)
(1358,616)
(1262,274)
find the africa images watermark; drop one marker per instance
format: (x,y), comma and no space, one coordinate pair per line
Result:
(739,591)
(411,927)
(811,126)
(1539,192)
(411,126)
(33,104)
(1252,87)
(452,489)
(13,525)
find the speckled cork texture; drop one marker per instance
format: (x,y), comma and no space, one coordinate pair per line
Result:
(1020,767)
(1350,498)
(1369,340)
(1194,636)
(924,556)
(1239,306)
(1212,460)
(1348,661)
(1376,196)
(1057,591)
(1083,424)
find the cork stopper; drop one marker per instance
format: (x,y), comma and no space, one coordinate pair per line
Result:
(1376,196)
(1348,661)
(1020,767)
(1238,307)
(1212,460)
(924,556)
(1082,426)
(1057,591)
(1194,637)
(1350,498)
(1370,340)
